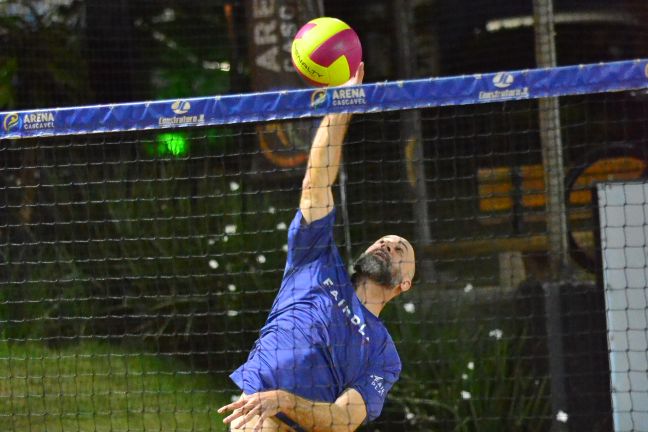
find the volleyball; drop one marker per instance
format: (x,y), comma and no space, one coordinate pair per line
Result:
(326,52)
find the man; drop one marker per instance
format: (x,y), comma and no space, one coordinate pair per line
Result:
(324,361)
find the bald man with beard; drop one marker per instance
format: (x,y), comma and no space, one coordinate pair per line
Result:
(324,361)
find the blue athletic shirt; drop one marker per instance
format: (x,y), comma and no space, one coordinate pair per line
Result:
(319,340)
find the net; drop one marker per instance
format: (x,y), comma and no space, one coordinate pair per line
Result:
(143,246)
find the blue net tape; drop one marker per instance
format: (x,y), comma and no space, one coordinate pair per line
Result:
(283,105)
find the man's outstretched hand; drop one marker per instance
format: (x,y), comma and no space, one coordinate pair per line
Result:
(358,77)
(263,404)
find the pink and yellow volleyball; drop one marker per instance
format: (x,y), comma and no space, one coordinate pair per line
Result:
(326,52)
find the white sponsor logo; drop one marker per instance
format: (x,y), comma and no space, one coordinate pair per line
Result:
(349,96)
(181,107)
(503,80)
(521,93)
(378,383)
(38,121)
(346,310)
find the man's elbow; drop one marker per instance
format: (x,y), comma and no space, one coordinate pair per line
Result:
(348,419)
(344,427)
(313,190)
(306,184)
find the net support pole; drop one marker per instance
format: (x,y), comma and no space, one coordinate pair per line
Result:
(554,174)
(554,329)
(550,137)
(412,140)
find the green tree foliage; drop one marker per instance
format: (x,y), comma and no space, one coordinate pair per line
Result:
(163,249)
(41,63)
(466,375)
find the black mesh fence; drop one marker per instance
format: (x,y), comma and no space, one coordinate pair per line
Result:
(137,268)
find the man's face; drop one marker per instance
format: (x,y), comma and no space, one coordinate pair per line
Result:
(388,261)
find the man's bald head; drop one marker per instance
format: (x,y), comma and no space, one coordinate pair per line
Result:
(390,261)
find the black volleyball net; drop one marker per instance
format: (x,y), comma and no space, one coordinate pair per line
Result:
(139,262)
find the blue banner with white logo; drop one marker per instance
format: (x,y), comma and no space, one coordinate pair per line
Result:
(284,105)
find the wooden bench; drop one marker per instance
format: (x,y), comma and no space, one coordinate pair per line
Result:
(518,194)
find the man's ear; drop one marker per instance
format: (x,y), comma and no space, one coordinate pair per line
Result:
(405,285)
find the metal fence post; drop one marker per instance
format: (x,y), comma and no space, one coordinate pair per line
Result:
(554,174)
(554,327)
(550,136)
(412,138)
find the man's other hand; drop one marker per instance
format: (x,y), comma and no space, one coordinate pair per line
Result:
(263,404)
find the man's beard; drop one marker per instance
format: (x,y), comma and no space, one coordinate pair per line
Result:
(376,269)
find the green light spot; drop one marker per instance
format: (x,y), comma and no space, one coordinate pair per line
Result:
(174,143)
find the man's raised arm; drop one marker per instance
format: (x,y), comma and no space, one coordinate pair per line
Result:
(324,162)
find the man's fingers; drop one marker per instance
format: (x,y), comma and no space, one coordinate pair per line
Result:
(259,426)
(234,405)
(239,411)
(249,416)
(236,414)
(359,76)
(229,407)
(250,404)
